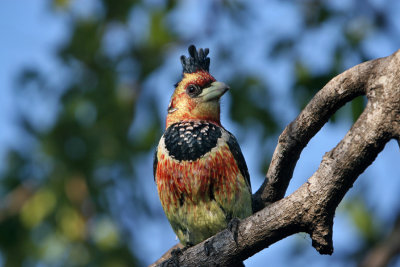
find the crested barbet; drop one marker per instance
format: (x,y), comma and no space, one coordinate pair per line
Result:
(201,175)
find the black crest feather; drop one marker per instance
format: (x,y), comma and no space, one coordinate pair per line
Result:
(196,61)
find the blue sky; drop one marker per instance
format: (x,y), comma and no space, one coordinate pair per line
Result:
(31,34)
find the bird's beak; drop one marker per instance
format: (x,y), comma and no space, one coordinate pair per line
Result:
(214,92)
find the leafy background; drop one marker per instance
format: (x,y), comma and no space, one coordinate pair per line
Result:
(84,90)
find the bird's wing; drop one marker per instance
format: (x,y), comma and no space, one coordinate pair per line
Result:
(238,156)
(155,162)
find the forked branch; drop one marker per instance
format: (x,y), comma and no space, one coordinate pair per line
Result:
(311,207)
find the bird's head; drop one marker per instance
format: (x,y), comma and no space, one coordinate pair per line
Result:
(196,96)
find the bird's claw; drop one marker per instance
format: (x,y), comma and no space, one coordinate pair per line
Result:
(209,248)
(173,261)
(233,227)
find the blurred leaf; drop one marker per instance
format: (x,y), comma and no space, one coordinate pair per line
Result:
(316,12)
(282,47)
(357,107)
(84,43)
(61,3)
(249,103)
(71,223)
(363,219)
(118,11)
(105,234)
(308,84)
(159,34)
(38,207)
(356,30)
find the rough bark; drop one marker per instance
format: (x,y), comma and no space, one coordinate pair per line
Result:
(311,207)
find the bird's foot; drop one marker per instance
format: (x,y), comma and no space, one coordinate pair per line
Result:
(173,261)
(233,227)
(209,248)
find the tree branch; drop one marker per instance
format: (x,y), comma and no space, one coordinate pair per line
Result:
(311,207)
(299,132)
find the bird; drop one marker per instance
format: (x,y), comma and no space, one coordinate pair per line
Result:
(201,175)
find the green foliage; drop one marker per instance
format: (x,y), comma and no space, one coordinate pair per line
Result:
(249,98)
(56,207)
(363,219)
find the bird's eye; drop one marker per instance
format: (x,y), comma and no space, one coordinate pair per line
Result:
(193,90)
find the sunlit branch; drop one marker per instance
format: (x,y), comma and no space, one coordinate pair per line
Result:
(311,207)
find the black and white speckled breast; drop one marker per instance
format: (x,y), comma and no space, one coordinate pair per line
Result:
(190,140)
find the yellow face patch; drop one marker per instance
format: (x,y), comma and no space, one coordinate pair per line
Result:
(183,106)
